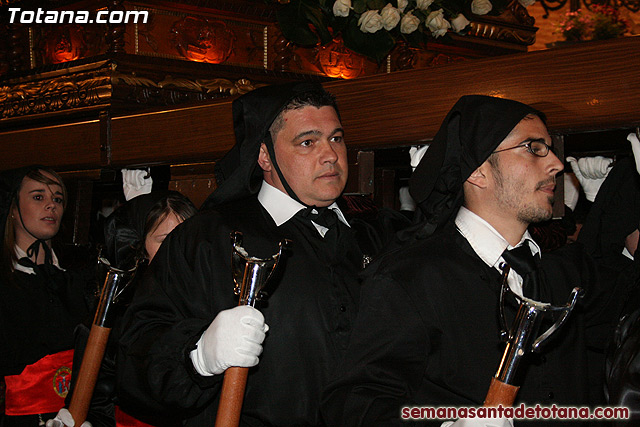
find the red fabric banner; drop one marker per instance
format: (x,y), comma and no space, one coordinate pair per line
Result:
(41,387)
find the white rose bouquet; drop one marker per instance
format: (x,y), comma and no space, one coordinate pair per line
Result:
(373,27)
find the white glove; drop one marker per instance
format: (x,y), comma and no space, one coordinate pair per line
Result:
(571,190)
(234,338)
(65,419)
(135,184)
(479,422)
(635,147)
(416,153)
(591,173)
(406,201)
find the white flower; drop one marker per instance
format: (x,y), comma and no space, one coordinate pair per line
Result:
(403,3)
(437,24)
(390,17)
(527,3)
(481,7)
(370,21)
(459,23)
(341,7)
(424,4)
(409,23)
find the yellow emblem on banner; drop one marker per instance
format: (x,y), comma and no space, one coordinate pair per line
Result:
(62,381)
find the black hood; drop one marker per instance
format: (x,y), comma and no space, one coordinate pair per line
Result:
(471,131)
(237,173)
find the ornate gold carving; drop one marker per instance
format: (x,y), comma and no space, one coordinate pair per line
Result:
(88,88)
(338,61)
(201,40)
(63,43)
(210,86)
(64,92)
(514,25)
(181,83)
(132,80)
(497,32)
(521,15)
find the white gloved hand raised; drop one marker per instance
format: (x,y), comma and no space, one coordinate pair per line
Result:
(635,147)
(571,190)
(65,419)
(479,422)
(591,173)
(234,338)
(416,153)
(135,184)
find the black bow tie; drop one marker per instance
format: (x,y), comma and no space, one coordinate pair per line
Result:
(34,250)
(526,265)
(325,217)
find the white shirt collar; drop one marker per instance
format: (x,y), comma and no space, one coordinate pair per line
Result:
(489,245)
(281,207)
(22,254)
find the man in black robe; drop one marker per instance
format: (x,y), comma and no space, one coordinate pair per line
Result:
(428,330)
(182,330)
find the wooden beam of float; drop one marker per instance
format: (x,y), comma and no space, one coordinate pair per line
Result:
(589,86)
(585,87)
(189,134)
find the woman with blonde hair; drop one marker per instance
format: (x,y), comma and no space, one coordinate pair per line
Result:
(40,302)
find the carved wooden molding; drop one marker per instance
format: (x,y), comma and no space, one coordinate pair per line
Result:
(55,94)
(105,85)
(514,25)
(500,33)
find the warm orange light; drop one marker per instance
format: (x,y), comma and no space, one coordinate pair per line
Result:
(63,44)
(201,40)
(339,62)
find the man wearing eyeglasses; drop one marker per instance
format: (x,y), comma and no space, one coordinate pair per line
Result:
(428,330)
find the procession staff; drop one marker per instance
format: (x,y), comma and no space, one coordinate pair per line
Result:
(132,233)
(428,330)
(183,329)
(40,303)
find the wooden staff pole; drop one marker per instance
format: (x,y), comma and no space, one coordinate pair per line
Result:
(250,275)
(96,344)
(231,397)
(500,394)
(86,382)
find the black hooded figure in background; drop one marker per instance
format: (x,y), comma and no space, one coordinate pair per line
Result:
(428,331)
(184,329)
(131,235)
(610,235)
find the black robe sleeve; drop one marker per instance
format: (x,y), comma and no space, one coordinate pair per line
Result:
(310,309)
(169,312)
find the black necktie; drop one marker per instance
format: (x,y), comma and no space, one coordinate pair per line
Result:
(34,250)
(327,218)
(526,265)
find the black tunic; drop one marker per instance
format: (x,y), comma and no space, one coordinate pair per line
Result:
(189,281)
(38,314)
(427,334)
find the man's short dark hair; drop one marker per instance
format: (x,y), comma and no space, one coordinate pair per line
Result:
(316,99)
